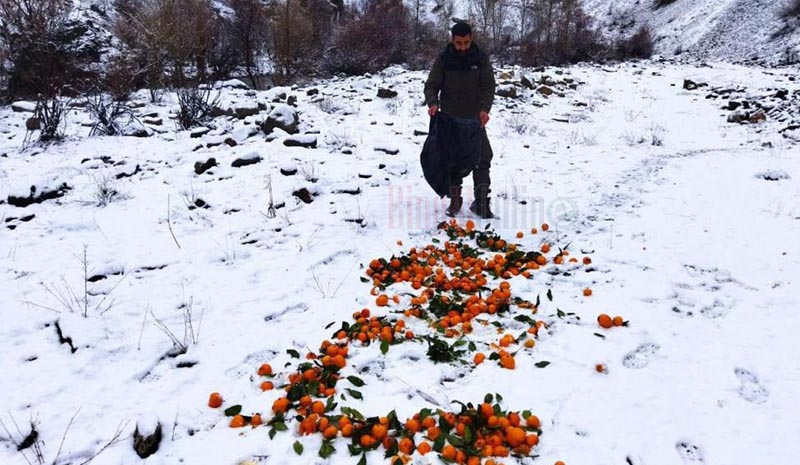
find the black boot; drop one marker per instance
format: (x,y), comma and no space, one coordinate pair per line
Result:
(455,201)
(480,206)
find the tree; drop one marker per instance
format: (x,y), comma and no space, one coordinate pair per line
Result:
(250,33)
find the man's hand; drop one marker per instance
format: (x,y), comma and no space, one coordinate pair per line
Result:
(483,117)
(432,110)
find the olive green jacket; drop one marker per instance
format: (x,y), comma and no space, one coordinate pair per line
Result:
(461,85)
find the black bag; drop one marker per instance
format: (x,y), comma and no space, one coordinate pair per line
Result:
(453,148)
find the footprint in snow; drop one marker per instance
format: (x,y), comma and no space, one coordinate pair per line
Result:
(689,452)
(751,389)
(641,356)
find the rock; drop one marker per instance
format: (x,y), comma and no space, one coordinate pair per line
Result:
(738,117)
(153,121)
(146,443)
(546,91)
(305,141)
(249,159)
(773,175)
(230,141)
(292,100)
(418,132)
(33,124)
(505,75)
(39,195)
(732,106)
(386,93)
(782,94)
(199,132)
(312,92)
(304,195)
(688,84)
(243,110)
(201,167)
(387,150)
(758,116)
(526,83)
(23,107)
(282,117)
(506,91)
(127,173)
(289,169)
(231,84)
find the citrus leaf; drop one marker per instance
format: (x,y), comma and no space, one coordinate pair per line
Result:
(363,460)
(280,426)
(488,398)
(327,449)
(542,364)
(384,347)
(293,353)
(550,295)
(233,410)
(272,433)
(330,324)
(354,393)
(355,381)
(298,448)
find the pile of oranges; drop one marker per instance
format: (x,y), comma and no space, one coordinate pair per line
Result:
(457,284)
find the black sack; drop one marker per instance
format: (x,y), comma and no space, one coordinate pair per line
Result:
(453,148)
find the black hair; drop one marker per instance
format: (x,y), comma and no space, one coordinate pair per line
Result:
(461,29)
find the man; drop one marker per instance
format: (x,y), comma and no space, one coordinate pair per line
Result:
(461,84)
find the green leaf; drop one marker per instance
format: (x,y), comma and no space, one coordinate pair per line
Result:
(455,440)
(280,426)
(330,324)
(542,364)
(601,336)
(426,412)
(330,404)
(438,444)
(499,397)
(298,448)
(327,449)
(363,460)
(488,398)
(233,410)
(354,393)
(271,433)
(538,301)
(384,347)
(435,240)
(295,392)
(550,295)
(355,381)
(363,280)
(293,353)
(469,436)
(472,347)
(560,313)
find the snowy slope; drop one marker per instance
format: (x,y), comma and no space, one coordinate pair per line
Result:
(690,221)
(741,31)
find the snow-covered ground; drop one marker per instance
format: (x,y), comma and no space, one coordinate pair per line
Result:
(689,221)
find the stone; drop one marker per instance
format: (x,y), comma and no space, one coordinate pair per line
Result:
(526,83)
(33,124)
(282,117)
(199,132)
(305,141)
(249,159)
(201,167)
(688,84)
(23,107)
(506,91)
(759,116)
(546,91)
(304,195)
(145,444)
(386,93)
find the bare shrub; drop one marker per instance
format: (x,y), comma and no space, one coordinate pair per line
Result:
(292,51)
(109,117)
(196,105)
(51,113)
(248,34)
(638,45)
(364,44)
(33,33)
(122,77)
(563,33)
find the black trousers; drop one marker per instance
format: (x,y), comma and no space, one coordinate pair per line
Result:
(480,175)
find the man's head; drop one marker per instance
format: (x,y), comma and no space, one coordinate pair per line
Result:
(462,37)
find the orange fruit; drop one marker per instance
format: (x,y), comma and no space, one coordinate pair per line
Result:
(533,422)
(347,430)
(280,405)
(605,321)
(532,439)
(618,320)
(214,400)
(515,436)
(507,362)
(265,370)
(406,446)
(412,425)
(382,300)
(449,452)
(423,448)
(587,292)
(256,420)
(520,234)
(367,440)
(559,462)
(237,421)
(587,260)
(318,407)
(545,248)
(267,385)
(330,432)
(545,226)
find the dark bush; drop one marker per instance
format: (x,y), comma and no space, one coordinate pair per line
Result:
(791,10)
(663,3)
(109,116)
(637,46)
(365,43)
(564,34)
(196,105)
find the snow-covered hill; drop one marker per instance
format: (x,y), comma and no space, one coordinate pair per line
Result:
(688,221)
(741,31)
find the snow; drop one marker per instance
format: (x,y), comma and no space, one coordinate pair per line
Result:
(690,242)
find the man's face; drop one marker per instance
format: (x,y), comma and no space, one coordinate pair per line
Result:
(462,43)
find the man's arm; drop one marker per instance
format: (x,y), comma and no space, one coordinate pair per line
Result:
(487,86)
(434,83)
